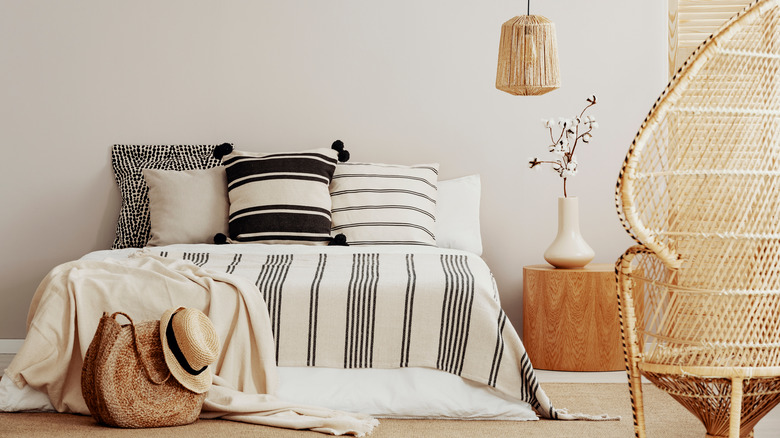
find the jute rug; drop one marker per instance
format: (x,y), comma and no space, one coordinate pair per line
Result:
(664,417)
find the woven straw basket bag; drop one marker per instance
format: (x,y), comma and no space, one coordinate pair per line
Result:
(125,380)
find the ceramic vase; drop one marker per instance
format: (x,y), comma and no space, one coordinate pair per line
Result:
(569,249)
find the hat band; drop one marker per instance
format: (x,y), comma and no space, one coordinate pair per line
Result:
(174,346)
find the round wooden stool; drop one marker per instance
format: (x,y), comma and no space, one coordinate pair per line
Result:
(570,318)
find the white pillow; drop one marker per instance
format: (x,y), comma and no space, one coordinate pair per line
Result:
(457,214)
(187,206)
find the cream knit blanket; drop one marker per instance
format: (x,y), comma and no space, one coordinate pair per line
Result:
(68,304)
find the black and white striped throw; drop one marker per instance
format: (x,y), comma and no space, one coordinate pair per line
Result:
(383,204)
(280,198)
(385,308)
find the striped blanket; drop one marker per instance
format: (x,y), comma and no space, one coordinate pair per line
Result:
(384,308)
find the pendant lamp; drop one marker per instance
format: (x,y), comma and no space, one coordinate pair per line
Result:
(528,56)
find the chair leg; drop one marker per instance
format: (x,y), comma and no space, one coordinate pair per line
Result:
(630,343)
(735,419)
(637,400)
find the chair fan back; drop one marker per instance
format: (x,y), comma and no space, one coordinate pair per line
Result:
(701,183)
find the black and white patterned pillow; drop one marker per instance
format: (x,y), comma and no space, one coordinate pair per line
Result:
(385,204)
(133,226)
(280,197)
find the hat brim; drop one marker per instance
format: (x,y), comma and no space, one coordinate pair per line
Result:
(196,383)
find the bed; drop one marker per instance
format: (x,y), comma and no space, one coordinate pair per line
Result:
(389,319)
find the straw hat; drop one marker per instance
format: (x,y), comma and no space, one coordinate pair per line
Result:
(190,344)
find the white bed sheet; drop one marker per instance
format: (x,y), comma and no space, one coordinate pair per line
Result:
(385,393)
(399,393)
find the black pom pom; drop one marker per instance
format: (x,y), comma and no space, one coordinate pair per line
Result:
(222,150)
(337,145)
(339,240)
(344,156)
(220,239)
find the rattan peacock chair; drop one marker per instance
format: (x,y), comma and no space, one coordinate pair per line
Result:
(700,192)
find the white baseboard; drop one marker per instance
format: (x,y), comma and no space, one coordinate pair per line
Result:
(10,346)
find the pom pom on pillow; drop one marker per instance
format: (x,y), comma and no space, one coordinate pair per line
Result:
(339,240)
(338,146)
(222,150)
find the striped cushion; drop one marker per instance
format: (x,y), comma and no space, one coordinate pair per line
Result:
(384,204)
(280,198)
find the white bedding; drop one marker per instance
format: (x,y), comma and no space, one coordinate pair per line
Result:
(395,393)
(410,392)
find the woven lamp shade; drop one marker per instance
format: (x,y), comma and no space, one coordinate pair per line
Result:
(528,56)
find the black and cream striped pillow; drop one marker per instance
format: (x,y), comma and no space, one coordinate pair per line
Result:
(385,204)
(280,197)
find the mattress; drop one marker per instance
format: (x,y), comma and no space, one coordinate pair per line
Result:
(384,393)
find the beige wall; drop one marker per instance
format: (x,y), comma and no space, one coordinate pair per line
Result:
(401,81)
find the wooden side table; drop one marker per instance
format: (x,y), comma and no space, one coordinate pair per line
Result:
(570,318)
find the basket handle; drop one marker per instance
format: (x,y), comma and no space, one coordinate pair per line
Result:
(138,352)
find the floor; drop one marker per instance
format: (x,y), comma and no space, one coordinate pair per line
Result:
(768,427)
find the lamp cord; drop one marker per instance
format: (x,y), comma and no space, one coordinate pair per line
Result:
(528,11)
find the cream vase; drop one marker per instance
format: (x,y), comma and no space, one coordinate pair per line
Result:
(569,249)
